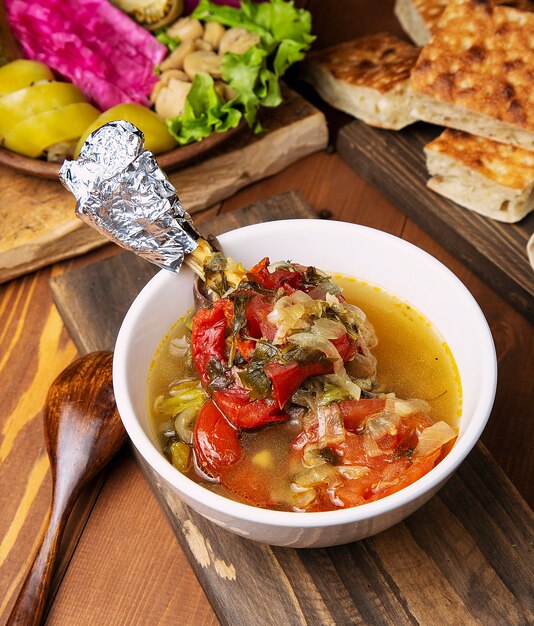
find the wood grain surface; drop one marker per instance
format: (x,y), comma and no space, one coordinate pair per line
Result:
(394,163)
(37,216)
(413,573)
(83,432)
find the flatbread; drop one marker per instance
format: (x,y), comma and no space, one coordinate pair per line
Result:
(476,73)
(419,18)
(494,179)
(366,77)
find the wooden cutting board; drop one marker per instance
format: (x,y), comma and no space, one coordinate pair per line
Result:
(464,558)
(38,225)
(394,163)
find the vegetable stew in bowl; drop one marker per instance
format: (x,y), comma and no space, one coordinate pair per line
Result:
(298,391)
(408,297)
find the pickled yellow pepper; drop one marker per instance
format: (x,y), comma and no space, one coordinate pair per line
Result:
(38,112)
(34,135)
(22,73)
(29,101)
(157,137)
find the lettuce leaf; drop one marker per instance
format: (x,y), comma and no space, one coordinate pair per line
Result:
(285,37)
(204,113)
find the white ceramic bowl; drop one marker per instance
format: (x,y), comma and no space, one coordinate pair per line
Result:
(372,255)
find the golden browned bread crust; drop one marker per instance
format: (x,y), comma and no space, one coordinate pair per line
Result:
(381,61)
(481,58)
(418,17)
(501,163)
(430,11)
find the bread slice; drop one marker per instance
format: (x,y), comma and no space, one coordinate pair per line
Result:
(418,18)
(476,73)
(366,77)
(494,179)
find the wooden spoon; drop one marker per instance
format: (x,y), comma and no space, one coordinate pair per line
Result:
(83,432)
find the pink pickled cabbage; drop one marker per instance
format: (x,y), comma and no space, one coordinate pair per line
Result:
(92,44)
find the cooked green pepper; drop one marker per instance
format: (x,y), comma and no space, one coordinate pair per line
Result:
(157,137)
(25,103)
(34,135)
(22,73)
(180,455)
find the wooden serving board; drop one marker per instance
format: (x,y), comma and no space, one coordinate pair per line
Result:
(463,558)
(38,224)
(394,163)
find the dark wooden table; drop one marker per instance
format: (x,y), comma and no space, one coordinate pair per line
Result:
(126,567)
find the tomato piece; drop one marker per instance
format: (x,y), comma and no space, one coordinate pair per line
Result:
(306,436)
(406,475)
(346,347)
(385,475)
(409,429)
(276,279)
(215,441)
(246,347)
(236,405)
(259,413)
(256,313)
(245,481)
(355,411)
(230,402)
(286,378)
(356,492)
(208,336)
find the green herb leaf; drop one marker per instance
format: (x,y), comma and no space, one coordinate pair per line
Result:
(408,453)
(215,263)
(214,272)
(318,279)
(329,456)
(254,378)
(303,356)
(265,352)
(219,375)
(241,301)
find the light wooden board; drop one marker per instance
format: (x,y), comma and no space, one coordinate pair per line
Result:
(394,162)
(463,558)
(38,225)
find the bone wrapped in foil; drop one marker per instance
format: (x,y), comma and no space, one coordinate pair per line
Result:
(123,194)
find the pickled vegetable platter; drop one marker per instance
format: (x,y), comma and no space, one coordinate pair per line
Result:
(193,78)
(284,394)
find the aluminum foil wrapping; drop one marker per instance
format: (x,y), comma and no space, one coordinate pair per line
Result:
(123,194)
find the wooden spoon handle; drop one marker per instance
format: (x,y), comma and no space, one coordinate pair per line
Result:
(31,602)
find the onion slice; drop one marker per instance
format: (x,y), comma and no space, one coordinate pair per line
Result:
(433,437)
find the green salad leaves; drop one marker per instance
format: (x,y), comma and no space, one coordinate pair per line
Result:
(284,33)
